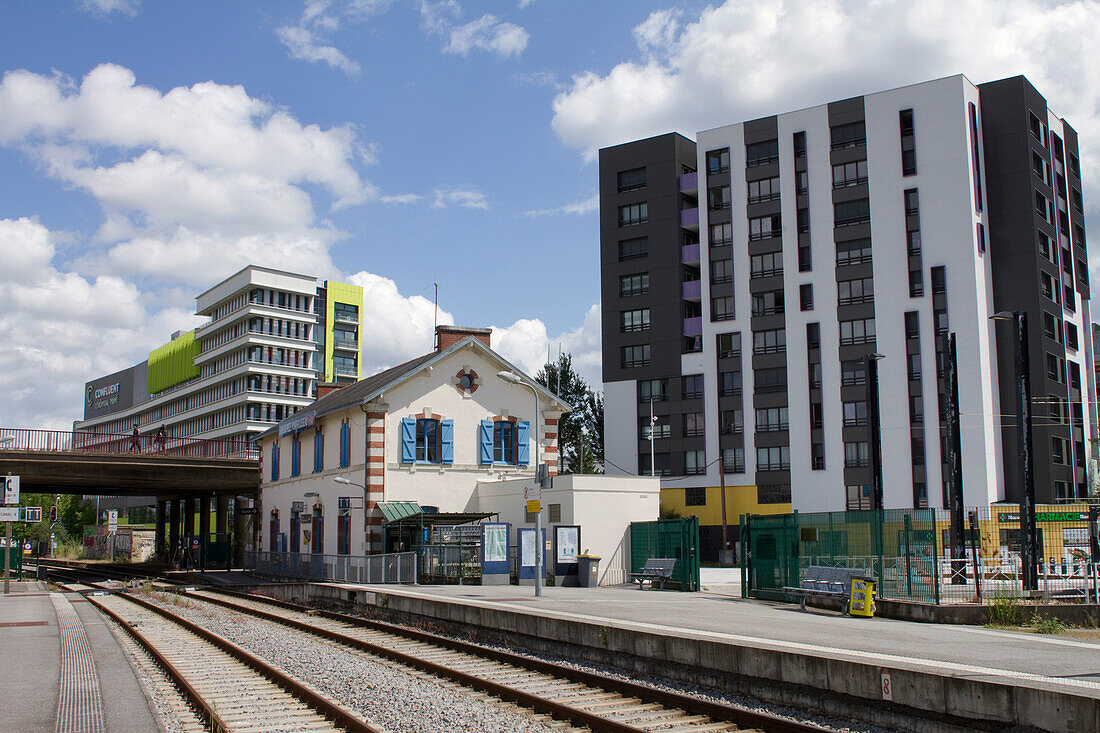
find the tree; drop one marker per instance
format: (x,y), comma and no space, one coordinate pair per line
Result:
(580,432)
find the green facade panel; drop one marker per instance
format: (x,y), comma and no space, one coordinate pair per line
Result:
(173,363)
(348,295)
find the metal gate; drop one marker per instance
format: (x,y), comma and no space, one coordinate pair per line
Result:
(771,555)
(668,538)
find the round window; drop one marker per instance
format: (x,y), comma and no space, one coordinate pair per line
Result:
(465,382)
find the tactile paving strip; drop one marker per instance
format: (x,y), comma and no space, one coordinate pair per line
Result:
(79,704)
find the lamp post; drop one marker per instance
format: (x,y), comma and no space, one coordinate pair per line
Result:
(1029,550)
(513,378)
(652,428)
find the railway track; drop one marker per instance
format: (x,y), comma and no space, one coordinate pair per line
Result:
(586,699)
(231,689)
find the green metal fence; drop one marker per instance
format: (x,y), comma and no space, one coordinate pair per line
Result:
(668,538)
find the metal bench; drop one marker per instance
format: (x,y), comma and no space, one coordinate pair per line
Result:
(656,570)
(827,582)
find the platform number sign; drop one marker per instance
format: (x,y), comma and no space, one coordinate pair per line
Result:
(11,489)
(887,686)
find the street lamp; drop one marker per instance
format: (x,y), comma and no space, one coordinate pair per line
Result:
(1029,546)
(871,360)
(513,378)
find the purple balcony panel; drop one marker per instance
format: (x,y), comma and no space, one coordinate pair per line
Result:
(689,182)
(689,217)
(692,289)
(689,254)
(693,326)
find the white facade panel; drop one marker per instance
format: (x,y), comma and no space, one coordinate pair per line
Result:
(621,428)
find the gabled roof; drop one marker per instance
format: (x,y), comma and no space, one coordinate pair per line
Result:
(367,389)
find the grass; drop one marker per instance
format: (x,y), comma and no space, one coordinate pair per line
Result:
(1005,610)
(1046,625)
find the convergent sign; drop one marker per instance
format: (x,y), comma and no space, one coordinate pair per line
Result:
(1045,516)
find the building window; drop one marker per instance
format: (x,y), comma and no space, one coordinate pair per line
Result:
(692,386)
(634,356)
(769,342)
(853,373)
(719,198)
(802,219)
(975,157)
(766,189)
(661,465)
(427,440)
(1041,207)
(729,384)
(761,153)
(912,202)
(806,297)
(848,136)
(773,379)
(1046,286)
(802,183)
(767,303)
(851,292)
(858,496)
(855,414)
(850,213)
(631,285)
(733,460)
(813,336)
(1071,336)
(660,428)
(764,227)
(1058,452)
(775,458)
(694,424)
(849,174)
(799,140)
(632,214)
(653,390)
(766,265)
(721,234)
(631,179)
(721,309)
(630,249)
(916,409)
(695,495)
(913,366)
(718,161)
(694,462)
(504,442)
(856,454)
(721,271)
(853,252)
(729,345)
(859,331)
(731,422)
(771,419)
(635,320)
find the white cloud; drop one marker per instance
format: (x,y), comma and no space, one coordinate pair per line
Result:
(396,328)
(585,206)
(304,44)
(467,197)
(437,15)
(488,33)
(106,7)
(525,343)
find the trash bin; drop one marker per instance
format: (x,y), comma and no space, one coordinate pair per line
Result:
(588,570)
(40,573)
(862,599)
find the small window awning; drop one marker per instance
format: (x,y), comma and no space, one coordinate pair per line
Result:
(406,513)
(395,511)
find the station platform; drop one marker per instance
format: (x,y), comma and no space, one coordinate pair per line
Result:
(63,668)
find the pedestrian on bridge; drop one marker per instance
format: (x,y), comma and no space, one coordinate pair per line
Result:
(135,440)
(160,439)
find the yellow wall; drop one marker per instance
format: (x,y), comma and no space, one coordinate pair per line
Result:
(739,500)
(349,295)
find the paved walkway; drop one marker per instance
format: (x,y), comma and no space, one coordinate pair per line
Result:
(722,614)
(50,639)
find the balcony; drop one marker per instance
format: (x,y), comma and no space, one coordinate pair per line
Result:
(692,290)
(345,344)
(345,317)
(693,326)
(689,219)
(689,254)
(689,183)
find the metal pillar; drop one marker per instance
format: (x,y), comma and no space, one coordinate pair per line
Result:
(188,519)
(173,506)
(204,529)
(158,536)
(221,528)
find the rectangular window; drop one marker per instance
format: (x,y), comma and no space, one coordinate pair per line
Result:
(1058,451)
(853,252)
(1046,286)
(718,161)
(719,198)
(850,213)
(908,143)
(802,183)
(1076,200)
(849,174)
(913,366)
(634,320)
(1071,336)
(632,214)
(632,248)
(721,271)
(695,495)
(692,386)
(553,512)
(694,424)
(768,303)
(773,379)
(764,227)
(771,419)
(766,265)
(1054,368)
(806,297)
(1044,247)
(848,136)
(631,179)
(427,440)
(1052,328)
(775,458)
(652,390)
(850,292)
(912,202)
(860,331)
(695,463)
(817,457)
(504,441)
(939,280)
(761,153)
(733,460)
(729,384)
(721,234)
(815,375)
(1041,207)
(856,454)
(1039,167)
(630,285)
(769,342)
(766,189)
(799,139)
(729,345)
(634,356)
(731,422)
(802,219)
(855,414)
(721,309)
(975,158)
(660,427)
(916,409)
(905,119)
(813,336)
(916,284)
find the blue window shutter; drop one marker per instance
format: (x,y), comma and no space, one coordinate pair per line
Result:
(447,441)
(295,455)
(318,451)
(408,439)
(345,446)
(523,435)
(485,440)
(275,462)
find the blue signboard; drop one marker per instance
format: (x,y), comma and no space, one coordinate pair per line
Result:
(527,553)
(494,552)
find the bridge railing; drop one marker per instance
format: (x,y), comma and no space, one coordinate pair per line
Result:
(396,567)
(80,441)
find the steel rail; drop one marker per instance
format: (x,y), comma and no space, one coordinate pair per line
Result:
(328,708)
(714,710)
(177,678)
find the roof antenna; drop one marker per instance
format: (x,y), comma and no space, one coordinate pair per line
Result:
(435,316)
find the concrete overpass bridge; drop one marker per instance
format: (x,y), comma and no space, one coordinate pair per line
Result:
(180,473)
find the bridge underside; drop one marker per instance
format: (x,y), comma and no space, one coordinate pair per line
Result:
(138,474)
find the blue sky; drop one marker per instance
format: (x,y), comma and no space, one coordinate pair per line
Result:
(152,148)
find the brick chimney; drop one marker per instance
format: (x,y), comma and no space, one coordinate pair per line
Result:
(447,336)
(323,388)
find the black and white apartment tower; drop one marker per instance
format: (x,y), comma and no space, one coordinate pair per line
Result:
(750,276)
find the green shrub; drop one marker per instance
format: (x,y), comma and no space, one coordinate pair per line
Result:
(1005,609)
(1047,625)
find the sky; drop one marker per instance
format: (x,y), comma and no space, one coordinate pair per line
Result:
(150,149)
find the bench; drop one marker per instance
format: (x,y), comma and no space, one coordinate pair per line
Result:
(656,570)
(827,582)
